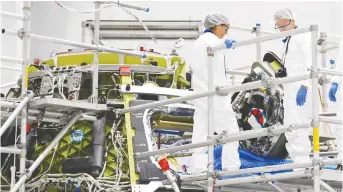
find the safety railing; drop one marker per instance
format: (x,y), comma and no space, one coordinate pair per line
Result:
(268,82)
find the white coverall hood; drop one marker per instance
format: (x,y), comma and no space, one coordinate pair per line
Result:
(224,117)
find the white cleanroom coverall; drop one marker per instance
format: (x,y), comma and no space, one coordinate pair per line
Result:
(297,60)
(337,130)
(224,117)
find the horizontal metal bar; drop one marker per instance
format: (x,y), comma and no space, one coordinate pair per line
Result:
(332,175)
(328,49)
(330,71)
(175,25)
(267,31)
(332,161)
(334,35)
(158,34)
(8,85)
(11,150)
(77,44)
(56,119)
(150,24)
(11,59)
(12,15)
(10,68)
(222,46)
(326,154)
(46,113)
(331,120)
(203,176)
(328,114)
(231,89)
(155,91)
(249,29)
(241,28)
(271,37)
(49,116)
(44,119)
(264,178)
(7,104)
(233,137)
(235,72)
(126,5)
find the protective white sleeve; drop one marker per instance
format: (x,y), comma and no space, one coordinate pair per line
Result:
(217,45)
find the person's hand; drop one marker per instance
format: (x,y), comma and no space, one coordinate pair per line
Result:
(332,92)
(229,43)
(301,96)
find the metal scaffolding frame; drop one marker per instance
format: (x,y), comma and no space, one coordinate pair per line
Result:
(267,82)
(25,34)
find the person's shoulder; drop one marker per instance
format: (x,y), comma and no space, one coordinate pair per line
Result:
(206,38)
(303,37)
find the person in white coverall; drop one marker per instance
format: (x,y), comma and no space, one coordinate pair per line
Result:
(216,26)
(296,56)
(335,101)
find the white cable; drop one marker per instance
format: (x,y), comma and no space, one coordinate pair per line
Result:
(6,113)
(53,156)
(103,169)
(85,11)
(177,44)
(8,156)
(179,41)
(5,179)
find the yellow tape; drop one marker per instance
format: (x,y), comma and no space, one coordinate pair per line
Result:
(274,65)
(27,77)
(315,139)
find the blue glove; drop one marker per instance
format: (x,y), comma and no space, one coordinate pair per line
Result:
(301,96)
(229,43)
(332,92)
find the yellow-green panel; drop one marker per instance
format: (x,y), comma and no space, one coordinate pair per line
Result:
(48,62)
(67,149)
(75,59)
(108,58)
(130,60)
(31,68)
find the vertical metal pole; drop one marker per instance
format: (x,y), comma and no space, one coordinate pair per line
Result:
(324,76)
(315,109)
(24,82)
(258,45)
(96,53)
(83,32)
(210,123)
(13,168)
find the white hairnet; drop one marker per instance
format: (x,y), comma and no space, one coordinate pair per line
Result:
(284,14)
(214,20)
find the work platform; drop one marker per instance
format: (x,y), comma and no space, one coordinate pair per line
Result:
(330,177)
